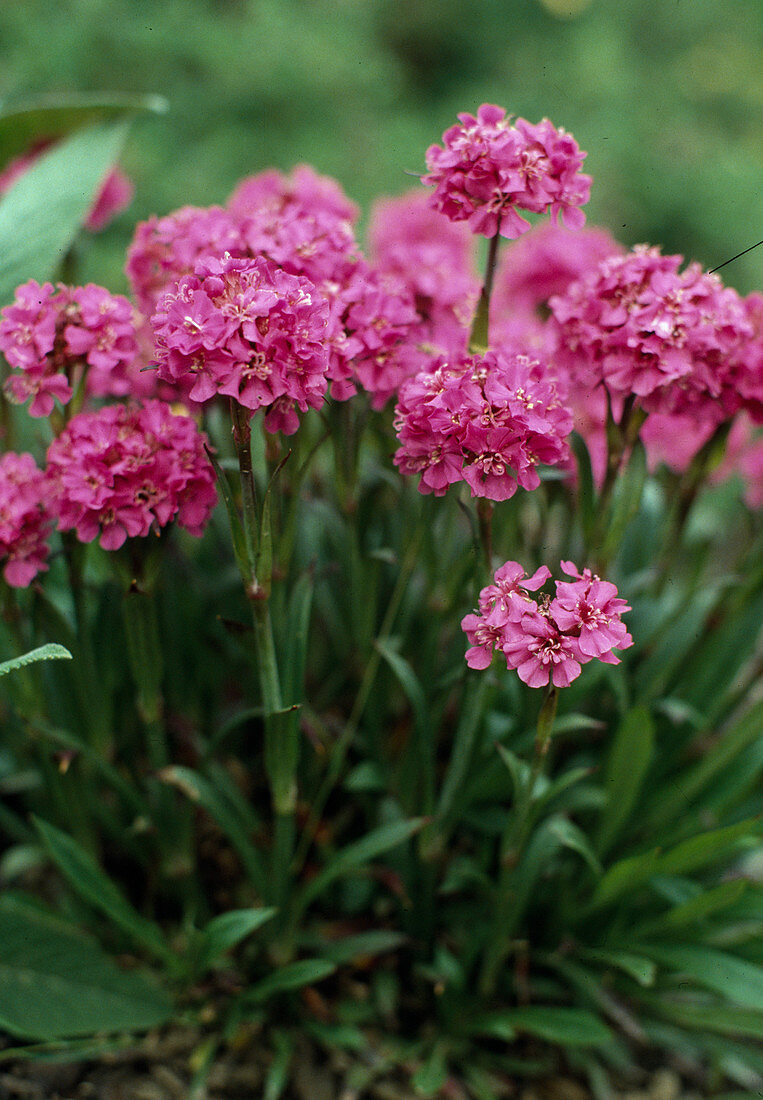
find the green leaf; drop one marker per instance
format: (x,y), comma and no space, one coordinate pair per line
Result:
(627,765)
(431,1075)
(363,945)
(690,855)
(585,489)
(698,908)
(292,976)
(724,1019)
(56,982)
(201,791)
(735,979)
(573,837)
(49,652)
(238,537)
(464,743)
(359,854)
(278,1073)
(641,969)
(43,211)
(409,682)
(568,1026)
(228,930)
(96,888)
(56,116)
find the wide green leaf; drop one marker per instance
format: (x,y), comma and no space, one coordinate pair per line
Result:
(568,1026)
(92,884)
(735,979)
(57,983)
(55,117)
(43,211)
(227,930)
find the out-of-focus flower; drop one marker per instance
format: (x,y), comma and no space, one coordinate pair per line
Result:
(248,330)
(547,638)
(487,169)
(487,420)
(434,258)
(25,521)
(124,471)
(675,340)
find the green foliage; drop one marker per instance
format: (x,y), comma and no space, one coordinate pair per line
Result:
(49,652)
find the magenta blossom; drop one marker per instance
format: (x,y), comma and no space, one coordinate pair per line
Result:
(247,330)
(124,471)
(548,639)
(487,420)
(55,336)
(488,169)
(25,520)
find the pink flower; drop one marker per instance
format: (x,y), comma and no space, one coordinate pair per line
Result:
(551,638)
(124,471)
(165,249)
(487,420)
(489,168)
(678,341)
(25,521)
(248,330)
(55,335)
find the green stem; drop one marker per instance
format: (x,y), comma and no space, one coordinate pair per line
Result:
(621,436)
(339,752)
(94,702)
(512,847)
(478,338)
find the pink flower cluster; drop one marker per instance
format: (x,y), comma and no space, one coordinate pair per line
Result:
(678,341)
(487,420)
(488,169)
(246,329)
(546,638)
(54,335)
(24,519)
(124,470)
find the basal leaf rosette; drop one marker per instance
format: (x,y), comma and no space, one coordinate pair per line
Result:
(127,470)
(488,168)
(245,329)
(542,638)
(25,519)
(487,420)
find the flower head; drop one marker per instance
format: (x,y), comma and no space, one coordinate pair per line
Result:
(546,639)
(25,520)
(124,471)
(487,420)
(487,169)
(248,330)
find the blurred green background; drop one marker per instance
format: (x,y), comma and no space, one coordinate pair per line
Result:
(666,96)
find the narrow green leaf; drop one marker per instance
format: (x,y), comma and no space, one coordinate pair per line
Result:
(585,489)
(723,1019)
(641,969)
(735,979)
(464,743)
(627,765)
(359,854)
(690,855)
(568,1026)
(409,682)
(292,976)
(49,652)
(227,930)
(201,791)
(630,488)
(696,909)
(56,982)
(96,888)
(362,945)
(573,837)
(278,1074)
(432,1074)
(263,565)
(43,211)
